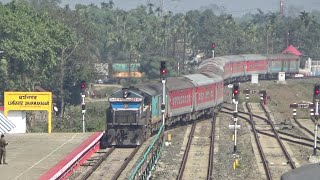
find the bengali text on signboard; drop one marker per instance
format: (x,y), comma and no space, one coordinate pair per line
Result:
(29,101)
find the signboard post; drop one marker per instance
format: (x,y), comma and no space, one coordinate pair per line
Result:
(29,101)
(310,106)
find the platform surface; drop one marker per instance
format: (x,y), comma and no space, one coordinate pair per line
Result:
(30,155)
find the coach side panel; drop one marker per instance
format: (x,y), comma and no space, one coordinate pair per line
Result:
(180,101)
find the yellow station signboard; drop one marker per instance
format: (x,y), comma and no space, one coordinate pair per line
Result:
(29,101)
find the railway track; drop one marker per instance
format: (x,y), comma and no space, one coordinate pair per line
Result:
(276,160)
(304,141)
(197,161)
(307,142)
(305,129)
(274,156)
(108,165)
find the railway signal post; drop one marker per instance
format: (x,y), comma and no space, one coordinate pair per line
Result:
(163,72)
(213,45)
(316,98)
(83,105)
(235,96)
(310,106)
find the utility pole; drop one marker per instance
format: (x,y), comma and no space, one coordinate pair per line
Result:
(83,105)
(288,38)
(282,7)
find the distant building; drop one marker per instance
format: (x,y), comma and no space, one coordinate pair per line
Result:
(102,68)
(292,50)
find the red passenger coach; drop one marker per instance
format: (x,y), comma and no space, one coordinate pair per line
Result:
(205,91)
(180,96)
(227,70)
(237,65)
(256,64)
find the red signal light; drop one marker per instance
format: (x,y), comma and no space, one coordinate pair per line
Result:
(83,85)
(235,92)
(163,71)
(317,91)
(213,45)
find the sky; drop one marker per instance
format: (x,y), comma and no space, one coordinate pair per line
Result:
(235,7)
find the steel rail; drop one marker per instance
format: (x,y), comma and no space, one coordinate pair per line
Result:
(266,120)
(286,139)
(211,151)
(186,152)
(262,155)
(125,163)
(97,164)
(284,149)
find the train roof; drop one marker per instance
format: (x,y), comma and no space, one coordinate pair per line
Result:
(212,75)
(234,58)
(282,56)
(212,67)
(217,61)
(254,57)
(152,89)
(133,93)
(200,79)
(176,83)
(310,172)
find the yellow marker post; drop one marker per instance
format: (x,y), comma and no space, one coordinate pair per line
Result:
(169,137)
(234,165)
(29,101)
(237,162)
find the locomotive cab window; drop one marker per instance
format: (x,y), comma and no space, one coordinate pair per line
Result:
(126,116)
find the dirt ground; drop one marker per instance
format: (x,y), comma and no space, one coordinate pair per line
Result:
(282,95)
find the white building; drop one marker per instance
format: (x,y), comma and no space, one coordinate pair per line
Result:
(14,123)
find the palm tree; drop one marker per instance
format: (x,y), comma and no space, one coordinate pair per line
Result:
(111,4)
(150,5)
(305,18)
(158,11)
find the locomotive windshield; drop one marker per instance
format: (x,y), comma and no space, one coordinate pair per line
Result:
(126,116)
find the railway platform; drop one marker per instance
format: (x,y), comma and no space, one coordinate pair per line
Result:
(42,155)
